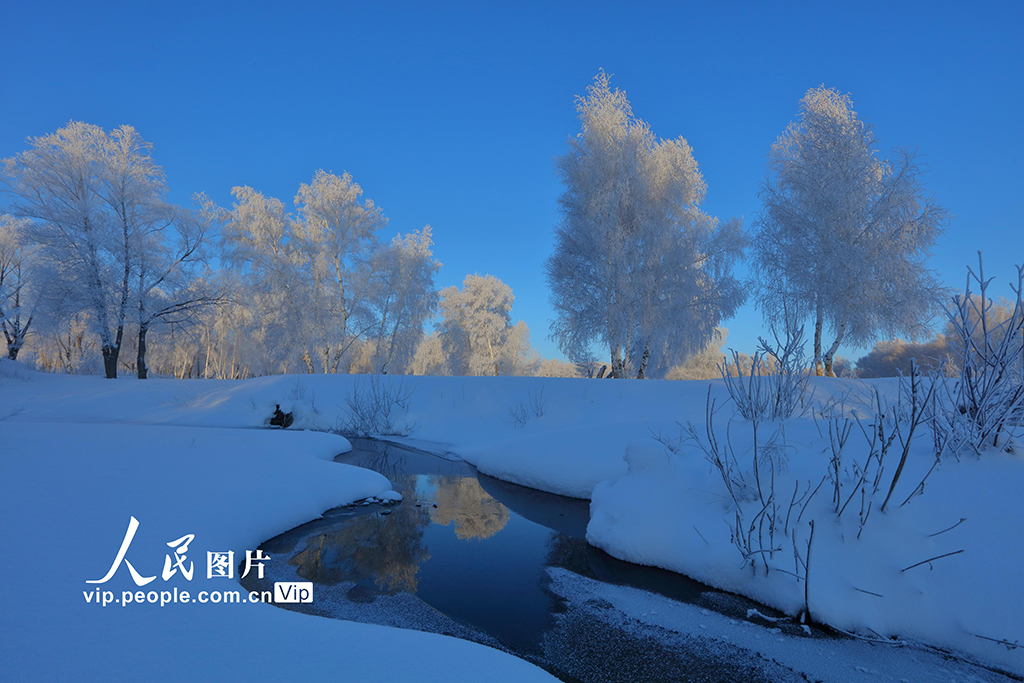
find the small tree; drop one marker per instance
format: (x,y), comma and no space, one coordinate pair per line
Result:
(843,236)
(476,331)
(18,296)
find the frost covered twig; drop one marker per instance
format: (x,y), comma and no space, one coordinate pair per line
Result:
(985,406)
(1001,641)
(772,390)
(962,520)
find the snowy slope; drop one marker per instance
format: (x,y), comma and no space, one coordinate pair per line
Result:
(570,437)
(67,493)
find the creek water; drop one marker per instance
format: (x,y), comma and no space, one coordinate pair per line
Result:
(468,555)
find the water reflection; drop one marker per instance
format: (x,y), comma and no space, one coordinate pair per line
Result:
(475,551)
(387,549)
(387,552)
(463,501)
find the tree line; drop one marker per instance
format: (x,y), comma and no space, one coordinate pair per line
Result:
(94,261)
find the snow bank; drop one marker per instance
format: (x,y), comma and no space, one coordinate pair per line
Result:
(674,512)
(582,438)
(68,491)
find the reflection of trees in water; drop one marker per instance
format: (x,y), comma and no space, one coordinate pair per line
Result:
(388,461)
(387,550)
(463,501)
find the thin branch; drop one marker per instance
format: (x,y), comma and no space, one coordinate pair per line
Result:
(937,557)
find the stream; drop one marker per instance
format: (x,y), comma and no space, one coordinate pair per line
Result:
(477,558)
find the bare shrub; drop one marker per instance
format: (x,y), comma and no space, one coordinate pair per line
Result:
(984,407)
(776,384)
(374,409)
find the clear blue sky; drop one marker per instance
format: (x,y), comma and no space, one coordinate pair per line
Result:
(451,114)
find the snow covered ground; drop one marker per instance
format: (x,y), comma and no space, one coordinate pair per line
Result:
(84,458)
(80,455)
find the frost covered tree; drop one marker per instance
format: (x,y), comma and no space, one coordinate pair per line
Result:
(307,275)
(429,357)
(257,249)
(170,286)
(476,330)
(637,266)
(18,293)
(843,236)
(89,194)
(335,237)
(401,297)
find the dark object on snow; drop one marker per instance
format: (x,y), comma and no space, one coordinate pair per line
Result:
(282,420)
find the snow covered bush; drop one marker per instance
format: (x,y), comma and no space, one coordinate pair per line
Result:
(523,411)
(984,407)
(776,385)
(374,407)
(777,486)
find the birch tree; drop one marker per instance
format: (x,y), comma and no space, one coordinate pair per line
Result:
(18,293)
(637,266)
(476,330)
(844,236)
(170,287)
(335,237)
(89,195)
(401,298)
(257,247)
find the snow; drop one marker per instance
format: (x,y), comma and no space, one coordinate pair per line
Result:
(68,489)
(195,457)
(748,644)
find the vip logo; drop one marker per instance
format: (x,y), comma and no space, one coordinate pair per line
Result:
(293,591)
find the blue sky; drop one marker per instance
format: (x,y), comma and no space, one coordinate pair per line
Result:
(451,114)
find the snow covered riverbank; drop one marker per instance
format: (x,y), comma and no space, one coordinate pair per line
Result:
(69,484)
(80,455)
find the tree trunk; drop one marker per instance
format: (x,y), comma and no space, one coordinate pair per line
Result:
(140,362)
(110,353)
(831,353)
(616,362)
(819,321)
(643,361)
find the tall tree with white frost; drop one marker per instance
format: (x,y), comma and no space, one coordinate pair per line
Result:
(169,283)
(335,236)
(256,246)
(843,236)
(401,297)
(89,194)
(637,266)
